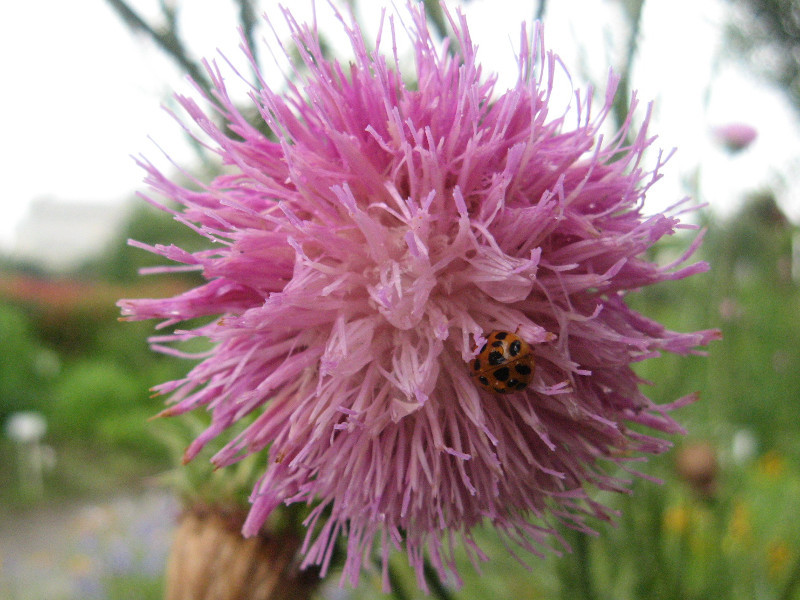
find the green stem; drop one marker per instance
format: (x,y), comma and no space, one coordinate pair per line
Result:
(540,10)
(621,104)
(167,40)
(248,19)
(584,567)
(435,15)
(398,591)
(434,583)
(792,583)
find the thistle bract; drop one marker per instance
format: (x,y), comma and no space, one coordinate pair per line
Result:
(361,255)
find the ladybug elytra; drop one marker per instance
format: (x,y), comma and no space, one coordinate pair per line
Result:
(504,365)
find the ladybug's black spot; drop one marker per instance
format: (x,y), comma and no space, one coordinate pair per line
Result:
(502,390)
(521,385)
(522,369)
(496,358)
(497,344)
(501,374)
(476,366)
(515,347)
(483,349)
(501,335)
(483,380)
(513,383)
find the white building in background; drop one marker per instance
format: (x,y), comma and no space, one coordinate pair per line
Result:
(59,235)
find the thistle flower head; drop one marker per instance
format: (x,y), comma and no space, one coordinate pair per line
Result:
(361,256)
(735,136)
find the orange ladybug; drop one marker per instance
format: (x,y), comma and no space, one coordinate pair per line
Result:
(504,365)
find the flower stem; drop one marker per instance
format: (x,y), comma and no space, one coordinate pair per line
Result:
(792,583)
(583,564)
(398,591)
(435,584)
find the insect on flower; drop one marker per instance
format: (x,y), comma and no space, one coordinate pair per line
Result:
(505,363)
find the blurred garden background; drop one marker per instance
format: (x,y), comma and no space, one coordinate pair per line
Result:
(83,469)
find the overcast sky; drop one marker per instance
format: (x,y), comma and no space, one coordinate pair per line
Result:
(81,94)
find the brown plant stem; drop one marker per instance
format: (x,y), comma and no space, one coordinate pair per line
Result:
(211,560)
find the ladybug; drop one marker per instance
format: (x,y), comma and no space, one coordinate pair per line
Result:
(504,365)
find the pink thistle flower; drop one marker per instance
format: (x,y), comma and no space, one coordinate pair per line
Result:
(735,136)
(362,258)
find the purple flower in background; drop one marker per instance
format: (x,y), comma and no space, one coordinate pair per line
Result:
(362,258)
(735,136)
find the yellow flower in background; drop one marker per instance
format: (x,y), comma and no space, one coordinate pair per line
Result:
(740,528)
(693,524)
(779,555)
(676,519)
(772,464)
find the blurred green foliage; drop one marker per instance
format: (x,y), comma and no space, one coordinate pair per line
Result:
(751,379)
(66,356)
(149,225)
(23,363)
(766,36)
(671,543)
